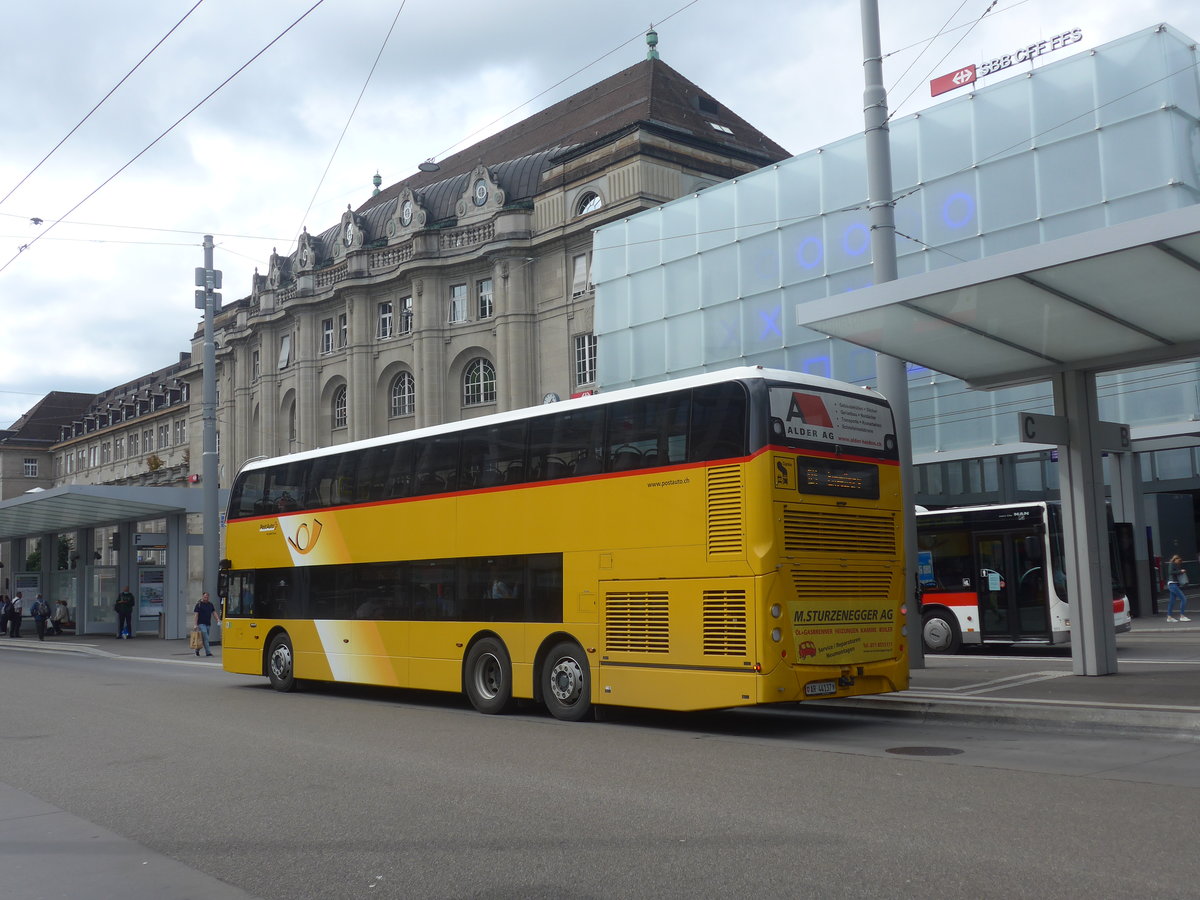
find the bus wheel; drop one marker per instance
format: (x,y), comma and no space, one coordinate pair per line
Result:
(279,664)
(488,677)
(567,682)
(939,632)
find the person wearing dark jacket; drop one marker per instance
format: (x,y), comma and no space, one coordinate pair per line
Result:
(124,608)
(15,614)
(41,613)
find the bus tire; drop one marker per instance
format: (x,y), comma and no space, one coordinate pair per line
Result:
(939,632)
(281,662)
(487,677)
(567,682)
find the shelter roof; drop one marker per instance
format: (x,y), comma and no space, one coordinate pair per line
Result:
(69,507)
(1114,298)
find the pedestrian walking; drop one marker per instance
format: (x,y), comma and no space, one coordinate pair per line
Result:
(41,614)
(5,612)
(15,614)
(1177,577)
(124,608)
(206,615)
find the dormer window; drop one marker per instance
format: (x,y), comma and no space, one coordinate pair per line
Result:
(588,203)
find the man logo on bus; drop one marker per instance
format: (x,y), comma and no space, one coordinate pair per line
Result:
(303,542)
(807,417)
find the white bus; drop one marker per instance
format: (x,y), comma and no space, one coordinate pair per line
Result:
(983,577)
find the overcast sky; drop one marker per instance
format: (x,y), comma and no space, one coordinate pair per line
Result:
(103,293)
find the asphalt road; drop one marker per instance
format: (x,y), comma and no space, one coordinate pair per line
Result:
(366,793)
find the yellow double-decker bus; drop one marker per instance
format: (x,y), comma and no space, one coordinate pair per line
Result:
(720,540)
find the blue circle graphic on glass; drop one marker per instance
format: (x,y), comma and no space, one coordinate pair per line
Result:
(856,239)
(958,210)
(810,252)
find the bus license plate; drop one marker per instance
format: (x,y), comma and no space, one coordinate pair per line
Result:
(820,688)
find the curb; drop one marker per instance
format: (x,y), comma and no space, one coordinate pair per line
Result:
(1177,722)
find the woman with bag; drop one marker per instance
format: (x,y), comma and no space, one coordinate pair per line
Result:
(1176,576)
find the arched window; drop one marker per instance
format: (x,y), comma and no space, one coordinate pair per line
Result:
(403,395)
(339,407)
(588,203)
(479,383)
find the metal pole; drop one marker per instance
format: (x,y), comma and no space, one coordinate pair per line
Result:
(892,373)
(208,478)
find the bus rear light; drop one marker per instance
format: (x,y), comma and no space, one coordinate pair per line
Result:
(904,609)
(758,668)
(776,635)
(776,610)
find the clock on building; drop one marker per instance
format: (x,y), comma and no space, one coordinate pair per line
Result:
(304,256)
(550,397)
(349,235)
(406,213)
(480,192)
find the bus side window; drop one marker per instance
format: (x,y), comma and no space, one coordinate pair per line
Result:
(718,427)
(289,480)
(247,494)
(647,431)
(566,444)
(437,464)
(239,599)
(494,455)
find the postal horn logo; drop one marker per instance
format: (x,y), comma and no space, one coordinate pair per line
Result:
(306,539)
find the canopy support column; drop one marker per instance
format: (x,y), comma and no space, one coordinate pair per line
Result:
(1085,531)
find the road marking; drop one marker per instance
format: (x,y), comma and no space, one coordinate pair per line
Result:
(996,684)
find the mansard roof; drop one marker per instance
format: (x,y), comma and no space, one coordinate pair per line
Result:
(41,423)
(648,93)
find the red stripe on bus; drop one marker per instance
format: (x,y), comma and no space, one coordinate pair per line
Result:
(824,454)
(951,599)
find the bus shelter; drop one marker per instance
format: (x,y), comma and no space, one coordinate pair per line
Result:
(154,564)
(1064,311)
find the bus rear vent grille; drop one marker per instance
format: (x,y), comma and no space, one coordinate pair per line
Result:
(637,622)
(824,531)
(838,584)
(724,623)
(725,527)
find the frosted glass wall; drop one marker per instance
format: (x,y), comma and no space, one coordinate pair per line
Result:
(714,280)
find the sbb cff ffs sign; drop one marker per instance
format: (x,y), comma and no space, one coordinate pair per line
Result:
(968,74)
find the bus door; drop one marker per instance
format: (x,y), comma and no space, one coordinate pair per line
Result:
(1010,583)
